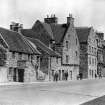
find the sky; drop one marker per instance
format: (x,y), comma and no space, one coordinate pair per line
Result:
(86,12)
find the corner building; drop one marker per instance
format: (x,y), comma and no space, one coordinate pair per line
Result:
(88,51)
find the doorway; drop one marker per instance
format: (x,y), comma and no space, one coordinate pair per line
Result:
(20,75)
(14,75)
(70,75)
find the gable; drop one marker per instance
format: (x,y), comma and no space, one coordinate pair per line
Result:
(59,31)
(44,31)
(83,33)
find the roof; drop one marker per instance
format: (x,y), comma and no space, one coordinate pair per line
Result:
(43,47)
(48,28)
(33,34)
(83,33)
(55,31)
(59,31)
(16,41)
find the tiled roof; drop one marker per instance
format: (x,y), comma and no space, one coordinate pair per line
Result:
(43,47)
(15,41)
(83,33)
(59,31)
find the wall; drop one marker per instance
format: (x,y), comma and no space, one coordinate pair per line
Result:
(3,74)
(92,53)
(29,69)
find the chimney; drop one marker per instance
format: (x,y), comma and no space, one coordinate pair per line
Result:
(51,20)
(16,26)
(70,19)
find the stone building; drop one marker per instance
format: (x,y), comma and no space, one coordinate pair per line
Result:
(18,58)
(63,39)
(100,61)
(88,51)
(49,60)
(103,69)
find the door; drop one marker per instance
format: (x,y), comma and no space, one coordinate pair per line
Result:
(14,75)
(59,74)
(20,75)
(70,75)
(63,76)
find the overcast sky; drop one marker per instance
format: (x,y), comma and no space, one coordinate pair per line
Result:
(85,12)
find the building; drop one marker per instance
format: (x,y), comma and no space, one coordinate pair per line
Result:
(63,39)
(49,60)
(17,58)
(88,51)
(100,61)
(103,69)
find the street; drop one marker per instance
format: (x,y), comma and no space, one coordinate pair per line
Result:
(60,93)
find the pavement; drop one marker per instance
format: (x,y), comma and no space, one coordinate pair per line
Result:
(97,101)
(79,92)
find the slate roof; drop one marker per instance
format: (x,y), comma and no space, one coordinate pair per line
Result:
(55,31)
(32,34)
(43,47)
(59,31)
(83,33)
(16,42)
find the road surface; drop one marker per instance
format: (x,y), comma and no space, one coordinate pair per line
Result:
(60,93)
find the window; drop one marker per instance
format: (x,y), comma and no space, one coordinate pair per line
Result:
(76,41)
(92,61)
(95,52)
(37,59)
(29,56)
(89,60)
(67,58)
(90,72)
(10,71)
(67,45)
(57,60)
(76,53)
(13,54)
(95,61)
(20,55)
(90,49)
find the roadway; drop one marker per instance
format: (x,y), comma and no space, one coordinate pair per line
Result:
(52,93)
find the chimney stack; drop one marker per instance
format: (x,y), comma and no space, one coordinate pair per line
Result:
(51,20)
(70,19)
(16,26)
